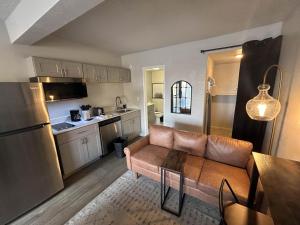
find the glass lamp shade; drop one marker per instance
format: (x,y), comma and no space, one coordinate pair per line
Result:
(263,107)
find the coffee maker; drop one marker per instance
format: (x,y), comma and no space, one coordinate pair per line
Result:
(75,115)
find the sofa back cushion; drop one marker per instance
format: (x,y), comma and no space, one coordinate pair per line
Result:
(161,136)
(193,143)
(228,150)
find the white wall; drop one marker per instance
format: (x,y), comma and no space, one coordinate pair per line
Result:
(226,77)
(13,67)
(222,112)
(184,62)
(288,136)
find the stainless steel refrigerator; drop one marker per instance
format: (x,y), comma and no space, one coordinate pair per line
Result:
(29,166)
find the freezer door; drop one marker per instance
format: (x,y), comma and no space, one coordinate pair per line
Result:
(21,105)
(29,171)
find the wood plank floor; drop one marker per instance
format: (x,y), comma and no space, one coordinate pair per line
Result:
(79,190)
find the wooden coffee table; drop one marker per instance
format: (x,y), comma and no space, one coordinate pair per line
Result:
(173,164)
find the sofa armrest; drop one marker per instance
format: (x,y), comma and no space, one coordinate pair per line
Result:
(135,147)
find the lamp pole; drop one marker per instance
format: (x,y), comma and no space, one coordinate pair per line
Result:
(278,98)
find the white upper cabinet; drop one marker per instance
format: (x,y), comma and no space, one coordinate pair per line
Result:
(113,75)
(124,75)
(95,73)
(72,69)
(102,74)
(118,75)
(46,67)
(92,73)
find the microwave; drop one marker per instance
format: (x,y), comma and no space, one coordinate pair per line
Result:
(62,88)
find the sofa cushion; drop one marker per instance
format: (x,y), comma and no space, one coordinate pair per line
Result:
(193,143)
(228,150)
(161,136)
(212,174)
(150,157)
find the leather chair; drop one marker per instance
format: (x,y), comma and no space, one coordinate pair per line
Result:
(233,213)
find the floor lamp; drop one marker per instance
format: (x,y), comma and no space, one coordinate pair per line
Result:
(264,107)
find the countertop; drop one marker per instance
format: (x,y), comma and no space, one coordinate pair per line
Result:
(94,120)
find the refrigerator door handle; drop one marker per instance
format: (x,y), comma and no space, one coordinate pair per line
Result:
(23,130)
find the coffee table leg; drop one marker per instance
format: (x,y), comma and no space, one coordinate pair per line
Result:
(181,194)
(253,186)
(164,193)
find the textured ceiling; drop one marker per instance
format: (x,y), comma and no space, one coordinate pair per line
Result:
(6,7)
(126,26)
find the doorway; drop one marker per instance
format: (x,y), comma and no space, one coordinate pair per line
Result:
(154,95)
(222,82)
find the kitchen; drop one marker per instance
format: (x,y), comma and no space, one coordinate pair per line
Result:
(72,142)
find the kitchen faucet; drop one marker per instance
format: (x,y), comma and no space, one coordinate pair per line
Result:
(118,103)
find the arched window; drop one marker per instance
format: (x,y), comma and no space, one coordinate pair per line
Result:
(181,97)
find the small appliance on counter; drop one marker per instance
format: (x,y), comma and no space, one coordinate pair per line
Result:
(98,111)
(75,115)
(85,111)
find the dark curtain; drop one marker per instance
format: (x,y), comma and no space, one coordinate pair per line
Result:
(258,56)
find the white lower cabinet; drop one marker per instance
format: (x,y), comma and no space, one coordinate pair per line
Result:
(72,156)
(92,147)
(78,148)
(131,124)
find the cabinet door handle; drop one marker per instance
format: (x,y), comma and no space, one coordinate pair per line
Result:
(87,147)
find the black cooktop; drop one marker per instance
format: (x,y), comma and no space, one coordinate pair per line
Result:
(62,126)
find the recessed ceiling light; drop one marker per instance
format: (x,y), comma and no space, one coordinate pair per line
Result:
(239,56)
(156,68)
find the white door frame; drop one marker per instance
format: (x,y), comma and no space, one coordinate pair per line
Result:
(145,94)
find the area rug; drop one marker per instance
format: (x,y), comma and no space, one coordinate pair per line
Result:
(128,201)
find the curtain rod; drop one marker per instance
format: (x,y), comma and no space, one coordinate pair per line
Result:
(214,49)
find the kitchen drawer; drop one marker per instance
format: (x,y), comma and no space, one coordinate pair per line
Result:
(77,133)
(130,115)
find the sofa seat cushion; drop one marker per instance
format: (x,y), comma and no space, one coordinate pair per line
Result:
(228,150)
(150,157)
(213,173)
(193,143)
(191,171)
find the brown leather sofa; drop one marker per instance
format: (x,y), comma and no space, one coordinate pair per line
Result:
(209,160)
